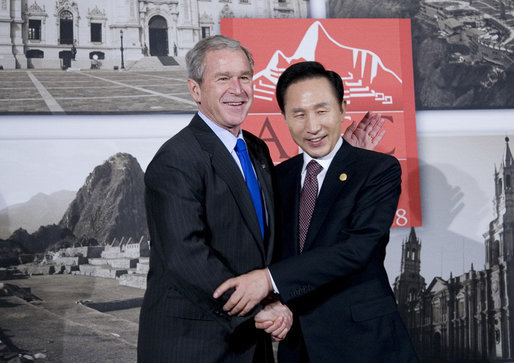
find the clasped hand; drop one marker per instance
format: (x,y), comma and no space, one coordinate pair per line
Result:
(249,290)
(275,319)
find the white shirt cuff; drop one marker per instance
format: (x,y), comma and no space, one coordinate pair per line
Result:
(275,289)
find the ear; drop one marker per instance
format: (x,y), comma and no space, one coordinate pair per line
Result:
(343,108)
(194,90)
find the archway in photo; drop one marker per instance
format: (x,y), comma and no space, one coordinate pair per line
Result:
(158,36)
(66,57)
(66,27)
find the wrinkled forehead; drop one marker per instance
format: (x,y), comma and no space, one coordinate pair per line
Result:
(215,58)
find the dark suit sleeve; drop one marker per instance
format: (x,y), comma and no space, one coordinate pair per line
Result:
(175,200)
(364,232)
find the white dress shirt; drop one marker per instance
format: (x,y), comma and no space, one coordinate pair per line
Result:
(324,161)
(227,138)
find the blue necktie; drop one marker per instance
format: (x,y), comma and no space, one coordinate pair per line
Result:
(251,181)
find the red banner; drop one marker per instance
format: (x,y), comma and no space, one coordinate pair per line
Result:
(374,59)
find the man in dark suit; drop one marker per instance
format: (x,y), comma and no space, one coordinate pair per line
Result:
(206,225)
(337,204)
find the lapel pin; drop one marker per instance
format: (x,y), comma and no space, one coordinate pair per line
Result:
(343,177)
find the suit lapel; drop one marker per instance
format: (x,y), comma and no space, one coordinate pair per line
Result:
(225,166)
(290,188)
(330,190)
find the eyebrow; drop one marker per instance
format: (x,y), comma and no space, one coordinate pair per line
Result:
(230,74)
(316,106)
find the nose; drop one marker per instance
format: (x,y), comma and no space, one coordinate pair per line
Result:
(312,125)
(235,86)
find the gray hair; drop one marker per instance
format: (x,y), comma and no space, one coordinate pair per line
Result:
(195,58)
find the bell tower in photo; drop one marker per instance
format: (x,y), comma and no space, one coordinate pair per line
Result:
(409,283)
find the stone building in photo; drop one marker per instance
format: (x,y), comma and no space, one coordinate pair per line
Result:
(467,318)
(485,28)
(115,33)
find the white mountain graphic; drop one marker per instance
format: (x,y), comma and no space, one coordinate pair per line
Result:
(364,69)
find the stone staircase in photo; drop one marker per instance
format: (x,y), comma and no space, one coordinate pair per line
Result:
(156,63)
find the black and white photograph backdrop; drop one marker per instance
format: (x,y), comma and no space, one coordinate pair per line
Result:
(65,183)
(451,277)
(105,57)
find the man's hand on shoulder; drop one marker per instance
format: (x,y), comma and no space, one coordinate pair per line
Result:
(367,134)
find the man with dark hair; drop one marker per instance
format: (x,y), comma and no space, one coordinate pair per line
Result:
(336,206)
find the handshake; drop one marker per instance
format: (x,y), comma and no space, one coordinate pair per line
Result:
(250,289)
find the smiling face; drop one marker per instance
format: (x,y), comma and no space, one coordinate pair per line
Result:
(314,115)
(226,92)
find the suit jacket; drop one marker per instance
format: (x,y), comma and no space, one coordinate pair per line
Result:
(338,287)
(204,230)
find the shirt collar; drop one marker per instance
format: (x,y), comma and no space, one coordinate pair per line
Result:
(226,137)
(325,160)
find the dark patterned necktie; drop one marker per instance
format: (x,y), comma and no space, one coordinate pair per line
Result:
(308,201)
(251,181)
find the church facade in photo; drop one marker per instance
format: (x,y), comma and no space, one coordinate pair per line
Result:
(115,33)
(467,318)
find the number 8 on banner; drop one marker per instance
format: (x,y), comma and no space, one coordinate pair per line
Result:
(401,218)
